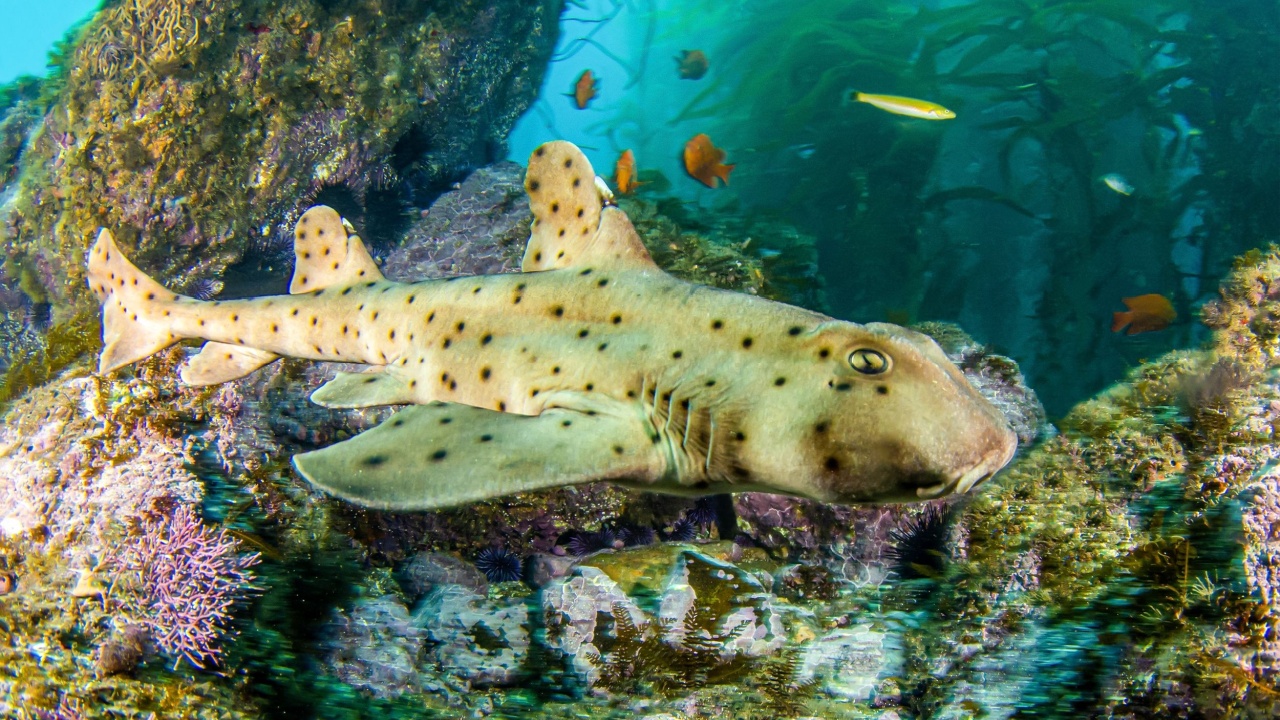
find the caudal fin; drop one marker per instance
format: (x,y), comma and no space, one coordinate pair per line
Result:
(1120,319)
(133,326)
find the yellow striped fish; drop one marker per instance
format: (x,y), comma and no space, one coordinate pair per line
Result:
(910,107)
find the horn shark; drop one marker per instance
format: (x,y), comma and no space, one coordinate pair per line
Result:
(591,364)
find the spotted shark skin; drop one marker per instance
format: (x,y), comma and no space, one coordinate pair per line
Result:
(591,364)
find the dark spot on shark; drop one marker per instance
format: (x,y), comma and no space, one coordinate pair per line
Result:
(475,290)
(882,389)
(275,327)
(502,407)
(717,324)
(821,427)
(566,423)
(314,320)
(344,329)
(485,372)
(710,383)
(558,311)
(587,271)
(447,342)
(602,347)
(555,370)
(462,326)
(235,318)
(739,436)
(602,282)
(579,209)
(346,290)
(746,342)
(677,355)
(568,163)
(151,296)
(397,422)
(537,257)
(843,387)
(616,319)
(391,335)
(780,382)
(486,438)
(618,450)
(488,338)
(446,420)
(583,333)
(832,464)
(555,207)
(439,455)
(590,387)
(431,316)
(795,330)
(374,460)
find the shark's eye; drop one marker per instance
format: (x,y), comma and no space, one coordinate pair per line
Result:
(868,361)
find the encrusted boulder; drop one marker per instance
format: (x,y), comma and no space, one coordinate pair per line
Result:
(477,640)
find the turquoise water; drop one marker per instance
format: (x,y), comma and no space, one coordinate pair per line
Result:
(30,30)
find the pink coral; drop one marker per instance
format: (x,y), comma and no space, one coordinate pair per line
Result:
(179,580)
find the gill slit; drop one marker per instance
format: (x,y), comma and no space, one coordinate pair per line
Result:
(711,442)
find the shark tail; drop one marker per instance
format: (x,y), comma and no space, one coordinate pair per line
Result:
(133,326)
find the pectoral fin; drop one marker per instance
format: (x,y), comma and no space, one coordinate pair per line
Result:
(438,455)
(367,389)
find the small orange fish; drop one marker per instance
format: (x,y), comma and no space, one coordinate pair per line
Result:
(1146,313)
(584,89)
(624,173)
(692,64)
(704,161)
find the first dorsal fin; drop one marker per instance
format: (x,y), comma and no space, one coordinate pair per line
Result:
(574,223)
(327,252)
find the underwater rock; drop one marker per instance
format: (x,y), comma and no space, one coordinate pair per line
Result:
(478,640)
(423,572)
(572,610)
(850,663)
(375,646)
(478,228)
(693,609)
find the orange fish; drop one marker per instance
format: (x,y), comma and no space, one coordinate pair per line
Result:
(692,64)
(704,161)
(624,173)
(1146,313)
(583,90)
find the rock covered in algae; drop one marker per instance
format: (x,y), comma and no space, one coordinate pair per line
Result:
(1136,547)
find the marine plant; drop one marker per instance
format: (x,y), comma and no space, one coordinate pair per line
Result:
(178,580)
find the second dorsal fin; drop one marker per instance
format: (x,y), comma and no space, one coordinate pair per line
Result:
(574,223)
(328,252)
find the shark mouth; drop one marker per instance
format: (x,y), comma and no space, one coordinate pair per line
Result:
(966,480)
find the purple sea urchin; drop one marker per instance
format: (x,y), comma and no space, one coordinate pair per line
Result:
(499,564)
(919,544)
(703,512)
(682,530)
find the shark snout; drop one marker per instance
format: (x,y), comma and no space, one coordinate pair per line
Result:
(1003,445)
